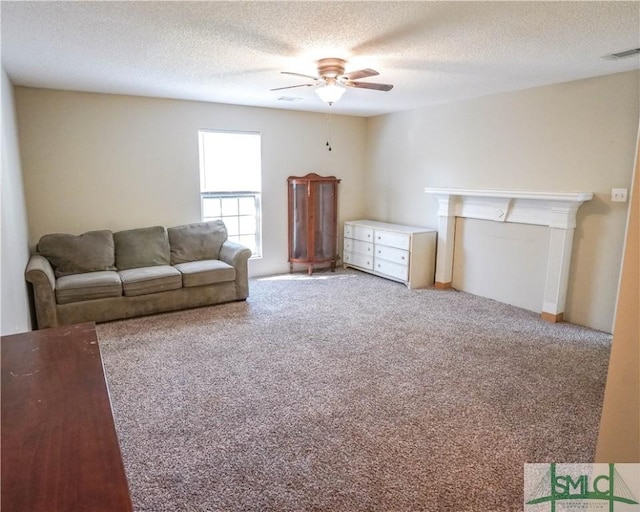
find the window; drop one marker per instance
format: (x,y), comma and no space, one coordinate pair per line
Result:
(230,184)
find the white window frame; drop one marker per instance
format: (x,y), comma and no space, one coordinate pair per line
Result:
(212,194)
(238,194)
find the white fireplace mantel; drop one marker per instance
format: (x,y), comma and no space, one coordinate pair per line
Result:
(553,209)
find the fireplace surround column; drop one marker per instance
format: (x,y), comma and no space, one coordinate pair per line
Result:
(446,234)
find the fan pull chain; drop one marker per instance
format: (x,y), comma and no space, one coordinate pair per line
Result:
(329,129)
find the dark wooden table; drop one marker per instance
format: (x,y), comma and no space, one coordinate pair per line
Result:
(60,450)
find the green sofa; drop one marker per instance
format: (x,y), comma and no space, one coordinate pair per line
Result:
(101,276)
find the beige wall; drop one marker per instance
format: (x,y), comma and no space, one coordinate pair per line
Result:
(619,438)
(576,136)
(498,251)
(97,161)
(15,247)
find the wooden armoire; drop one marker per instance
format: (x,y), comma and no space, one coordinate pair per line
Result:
(313,220)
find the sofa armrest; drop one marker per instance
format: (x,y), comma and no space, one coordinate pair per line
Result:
(39,269)
(234,254)
(237,255)
(40,274)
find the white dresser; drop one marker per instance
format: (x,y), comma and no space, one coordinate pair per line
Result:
(397,252)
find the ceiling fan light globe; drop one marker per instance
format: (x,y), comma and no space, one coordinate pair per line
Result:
(330,93)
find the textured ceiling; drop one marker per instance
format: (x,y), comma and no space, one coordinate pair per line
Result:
(232,52)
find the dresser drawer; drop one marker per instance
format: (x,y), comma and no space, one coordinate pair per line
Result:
(358,232)
(391,269)
(398,240)
(358,246)
(392,254)
(358,260)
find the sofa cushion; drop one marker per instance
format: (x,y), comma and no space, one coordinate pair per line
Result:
(204,272)
(89,286)
(77,254)
(193,242)
(141,281)
(143,247)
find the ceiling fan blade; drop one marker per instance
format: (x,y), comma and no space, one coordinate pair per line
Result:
(361,73)
(292,87)
(299,74)
(370,85)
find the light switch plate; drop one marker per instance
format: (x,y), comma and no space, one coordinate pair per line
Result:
(619,195)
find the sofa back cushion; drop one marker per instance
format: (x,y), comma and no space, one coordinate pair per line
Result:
(76,254)
(194,242)
(142,247)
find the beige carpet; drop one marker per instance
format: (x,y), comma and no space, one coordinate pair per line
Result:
(347,392)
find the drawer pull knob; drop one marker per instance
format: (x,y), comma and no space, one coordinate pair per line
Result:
(403,257)
(379,238)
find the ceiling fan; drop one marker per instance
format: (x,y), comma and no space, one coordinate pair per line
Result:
(332,81)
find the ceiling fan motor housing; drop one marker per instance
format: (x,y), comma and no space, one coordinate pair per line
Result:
(331,68)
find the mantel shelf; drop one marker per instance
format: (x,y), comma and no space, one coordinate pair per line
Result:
(553,209)
(513,194)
